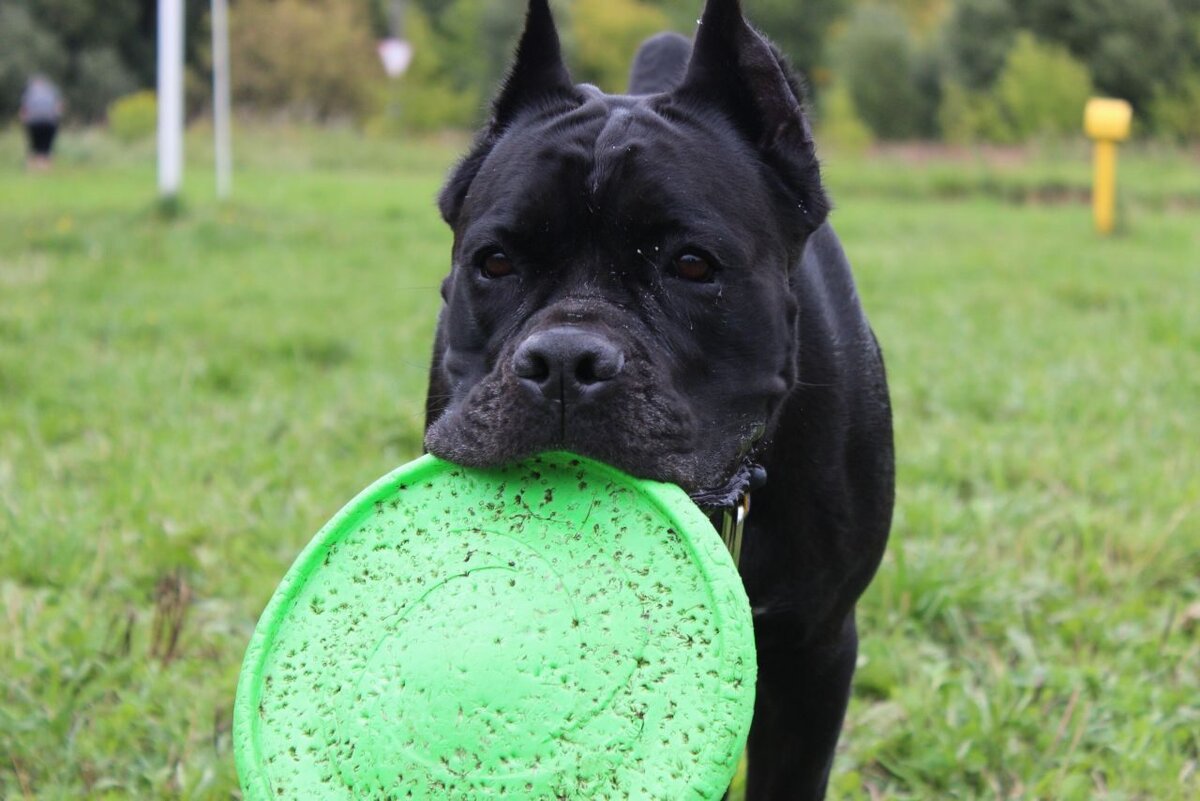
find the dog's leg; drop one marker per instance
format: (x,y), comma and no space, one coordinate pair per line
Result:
(802,697)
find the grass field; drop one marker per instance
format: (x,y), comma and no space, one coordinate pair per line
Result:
(185,400)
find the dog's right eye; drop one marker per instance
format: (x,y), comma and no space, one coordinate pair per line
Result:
(496,265)
(693,268)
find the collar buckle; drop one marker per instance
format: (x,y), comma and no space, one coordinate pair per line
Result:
(733,526)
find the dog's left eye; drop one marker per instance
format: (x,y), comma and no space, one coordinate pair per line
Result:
(691,267)
(496,265)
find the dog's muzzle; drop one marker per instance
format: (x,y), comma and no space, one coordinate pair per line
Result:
(567,366)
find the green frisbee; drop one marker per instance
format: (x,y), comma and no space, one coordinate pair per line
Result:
(552,630)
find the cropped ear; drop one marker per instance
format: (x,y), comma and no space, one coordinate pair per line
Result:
(538,72)
(538,76)
(736,69)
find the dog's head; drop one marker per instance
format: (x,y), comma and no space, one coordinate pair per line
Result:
(620,283)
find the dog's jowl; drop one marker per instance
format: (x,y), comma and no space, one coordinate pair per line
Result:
(650,280)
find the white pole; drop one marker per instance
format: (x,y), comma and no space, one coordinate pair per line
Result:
(222,138)
(170,97)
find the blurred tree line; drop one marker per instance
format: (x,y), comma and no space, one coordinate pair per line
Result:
(1008,70)
(95,50)
(963,70)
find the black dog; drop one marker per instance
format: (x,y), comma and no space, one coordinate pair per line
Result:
(649,280)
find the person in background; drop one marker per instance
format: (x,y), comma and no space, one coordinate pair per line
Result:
(41,109)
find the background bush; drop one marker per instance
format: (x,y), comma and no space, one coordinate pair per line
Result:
(1130,47)
(875,59)
(1175,112)
(1042,90)
(967,116)
(133,117)
(426,97)
(101,76)
(976,41)
(313,59)
(474,40)
(606,34)
(838,124)
(1141,51)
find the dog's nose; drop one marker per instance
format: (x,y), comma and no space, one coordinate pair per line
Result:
(566,364)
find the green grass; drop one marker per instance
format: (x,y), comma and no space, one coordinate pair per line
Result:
(184,401)
(1149,175)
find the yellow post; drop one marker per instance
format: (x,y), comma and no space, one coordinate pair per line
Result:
(1104,185)
(1107,122)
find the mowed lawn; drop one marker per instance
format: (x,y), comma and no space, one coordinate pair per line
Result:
(185,400)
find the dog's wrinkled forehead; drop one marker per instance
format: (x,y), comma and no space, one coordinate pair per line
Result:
(624,161)
(730,136)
